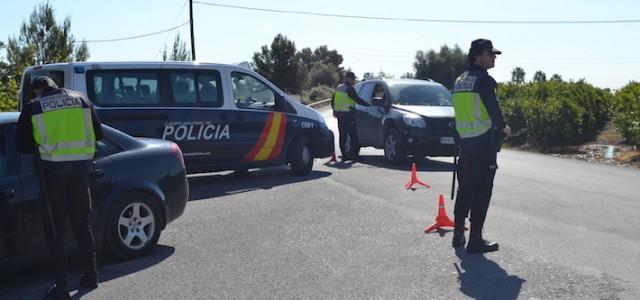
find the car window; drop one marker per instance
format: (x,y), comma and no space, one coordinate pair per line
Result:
(117,88)
(27,90)
(4,168)
(197,89)
(251,93)
(420,94)
(365,92)
(378,91)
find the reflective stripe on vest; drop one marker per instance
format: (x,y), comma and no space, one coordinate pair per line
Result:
(64,129)
(472,118)
(341,101)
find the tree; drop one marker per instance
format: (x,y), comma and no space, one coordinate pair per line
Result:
(178,51)
(556,77)
(308,59)
(443,66)
(42,40)
(539,77)
(407,75)
(384,75)
(323,74)
(277,63)
(517,75)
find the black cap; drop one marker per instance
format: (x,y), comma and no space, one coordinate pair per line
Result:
(44,83)
(479,45)
(350,75)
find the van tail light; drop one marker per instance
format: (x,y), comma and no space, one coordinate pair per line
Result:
(175,149)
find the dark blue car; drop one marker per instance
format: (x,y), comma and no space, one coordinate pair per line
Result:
(133,178)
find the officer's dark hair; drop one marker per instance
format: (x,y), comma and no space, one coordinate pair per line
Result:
(471,57)
(44,83)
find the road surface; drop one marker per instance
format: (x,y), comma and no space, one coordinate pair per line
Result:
(567,230)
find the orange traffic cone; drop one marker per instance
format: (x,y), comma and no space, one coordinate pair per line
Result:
(442,220)
(414,179)
(333,158)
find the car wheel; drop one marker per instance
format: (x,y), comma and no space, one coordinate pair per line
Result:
(300,156)
(393,149)
(133,226)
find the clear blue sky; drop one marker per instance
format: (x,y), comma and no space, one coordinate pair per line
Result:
(607,55)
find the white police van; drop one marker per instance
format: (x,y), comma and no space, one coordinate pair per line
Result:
(223,117)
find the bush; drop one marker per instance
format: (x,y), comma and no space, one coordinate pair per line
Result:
(555,112)
(9,95)
(317,93)
(626,114)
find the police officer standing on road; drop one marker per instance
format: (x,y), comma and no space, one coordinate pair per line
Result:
(62,127)
(344,104)
(481,128)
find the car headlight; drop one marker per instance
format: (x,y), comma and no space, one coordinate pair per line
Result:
(414,121)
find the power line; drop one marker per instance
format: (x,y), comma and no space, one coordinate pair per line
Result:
(319,14)
(137,36)
(164,42)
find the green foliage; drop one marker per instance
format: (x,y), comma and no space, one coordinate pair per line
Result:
(518,75)
(277,63)
(555,112)
(407,75)
(323,74)
(444,66)
(317,93)
(179,51)
(42,40)
(8,95)
(627,112)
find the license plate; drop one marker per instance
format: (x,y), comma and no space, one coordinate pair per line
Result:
(447,140)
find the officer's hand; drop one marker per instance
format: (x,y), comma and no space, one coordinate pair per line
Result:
(507,131)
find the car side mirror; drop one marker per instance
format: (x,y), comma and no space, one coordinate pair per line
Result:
(377,101)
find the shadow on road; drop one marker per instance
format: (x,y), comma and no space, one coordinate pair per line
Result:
(216,185)
(485,279)
(423,164)
(33,283)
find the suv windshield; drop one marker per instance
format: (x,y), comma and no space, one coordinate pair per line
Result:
(419,94)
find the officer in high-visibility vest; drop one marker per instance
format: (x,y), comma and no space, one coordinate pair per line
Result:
(62,127)
(344,104)
(481,128)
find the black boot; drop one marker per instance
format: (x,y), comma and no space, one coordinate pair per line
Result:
(57,293)
(458,235)
(89,282)
(479,245)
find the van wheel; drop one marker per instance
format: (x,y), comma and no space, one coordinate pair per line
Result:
(133,226)
(300,157)
(394,150)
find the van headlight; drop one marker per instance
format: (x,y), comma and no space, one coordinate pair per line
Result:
(414,121)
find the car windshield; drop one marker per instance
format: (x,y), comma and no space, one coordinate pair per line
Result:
(419,94)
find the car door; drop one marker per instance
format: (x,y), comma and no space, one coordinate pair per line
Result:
(13,236)
(375,114)
(259,121)
(362,112)
(198,122)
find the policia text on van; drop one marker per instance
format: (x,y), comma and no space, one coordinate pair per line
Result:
(223,117)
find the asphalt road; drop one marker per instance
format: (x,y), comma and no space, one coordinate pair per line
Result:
(567,230)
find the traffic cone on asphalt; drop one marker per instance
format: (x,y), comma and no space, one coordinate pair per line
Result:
(414,179)
(333,158)
(442,220)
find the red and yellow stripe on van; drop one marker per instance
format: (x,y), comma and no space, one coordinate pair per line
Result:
(270,143)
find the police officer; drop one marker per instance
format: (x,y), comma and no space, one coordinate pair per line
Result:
(481,127)
(344,103)
(62,127)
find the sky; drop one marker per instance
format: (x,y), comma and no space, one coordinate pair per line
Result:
(606,55)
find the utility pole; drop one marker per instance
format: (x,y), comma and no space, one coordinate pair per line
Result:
(193,42)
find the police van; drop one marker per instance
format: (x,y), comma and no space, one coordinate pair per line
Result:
(223,117)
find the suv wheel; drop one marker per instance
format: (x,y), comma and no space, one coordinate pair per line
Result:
(133,226)
(394,151)
(300,157)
